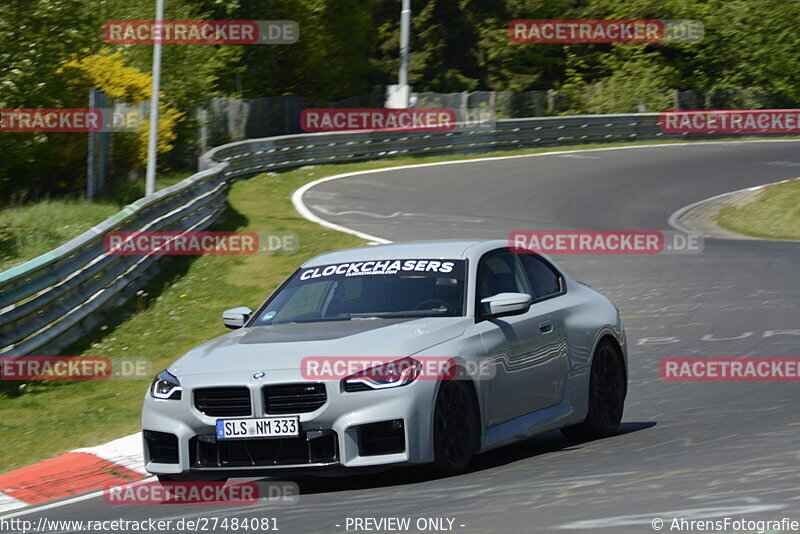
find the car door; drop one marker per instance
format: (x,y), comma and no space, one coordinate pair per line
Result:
(525,350)
(547,286)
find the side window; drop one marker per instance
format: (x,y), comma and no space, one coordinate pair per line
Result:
(498,273)
(543,280)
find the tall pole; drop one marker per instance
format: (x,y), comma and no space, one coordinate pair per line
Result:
(90,176)
(405,31)
(152,138)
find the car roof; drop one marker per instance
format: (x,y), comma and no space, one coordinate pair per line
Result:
(434,249)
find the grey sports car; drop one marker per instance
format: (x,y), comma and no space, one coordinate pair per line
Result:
(394,354)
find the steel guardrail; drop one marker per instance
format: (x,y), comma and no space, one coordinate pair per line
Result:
(53,300)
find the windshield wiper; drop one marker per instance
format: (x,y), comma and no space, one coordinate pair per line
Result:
(402,315)
(319,320)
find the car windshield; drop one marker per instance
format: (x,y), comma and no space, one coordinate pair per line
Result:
(369,289)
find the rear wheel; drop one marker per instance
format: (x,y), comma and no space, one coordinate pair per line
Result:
(455,430)
(606,396)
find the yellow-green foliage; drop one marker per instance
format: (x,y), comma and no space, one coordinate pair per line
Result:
(107,71)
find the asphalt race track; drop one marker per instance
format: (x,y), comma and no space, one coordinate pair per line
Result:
(697,450)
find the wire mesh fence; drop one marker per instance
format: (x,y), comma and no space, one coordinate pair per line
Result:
(224,120)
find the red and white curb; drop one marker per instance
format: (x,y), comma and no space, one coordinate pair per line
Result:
(78,471)
(756,188)
(675,217)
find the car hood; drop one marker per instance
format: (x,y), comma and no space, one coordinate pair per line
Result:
(283,346)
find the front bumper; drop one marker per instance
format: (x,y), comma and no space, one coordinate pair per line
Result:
(180,439)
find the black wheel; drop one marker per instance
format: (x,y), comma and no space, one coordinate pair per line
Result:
(607,390)
(455,427)
(167,481)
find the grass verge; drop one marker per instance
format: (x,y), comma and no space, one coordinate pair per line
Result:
(30,230)
(180,309)
(774,214)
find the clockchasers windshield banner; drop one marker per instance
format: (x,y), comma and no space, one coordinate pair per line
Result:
(448,268)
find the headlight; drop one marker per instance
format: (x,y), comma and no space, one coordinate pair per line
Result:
(389,375)
(166,386)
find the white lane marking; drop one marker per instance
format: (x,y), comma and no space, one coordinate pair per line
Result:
(326,211)
(126,452)
(302,209)
(783,163)
(578,156)
(418,216)
(7,502)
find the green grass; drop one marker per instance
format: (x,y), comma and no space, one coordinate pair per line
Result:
(30,230)
(774,214)
(182,308)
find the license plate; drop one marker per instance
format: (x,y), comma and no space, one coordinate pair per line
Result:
(264,427)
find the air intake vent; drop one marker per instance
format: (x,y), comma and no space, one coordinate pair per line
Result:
(223,402)
(163,447)
(294,398)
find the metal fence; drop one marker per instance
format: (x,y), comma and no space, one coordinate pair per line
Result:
(225,120)
(53,300)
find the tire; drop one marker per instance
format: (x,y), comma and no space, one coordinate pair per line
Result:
(455,427)
(166,480)
(607,390)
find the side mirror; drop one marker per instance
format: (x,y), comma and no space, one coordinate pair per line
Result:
(506,304)
(236,317)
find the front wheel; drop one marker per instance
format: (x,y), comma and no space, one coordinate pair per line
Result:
(168,480)
(606,396)
(455,430)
